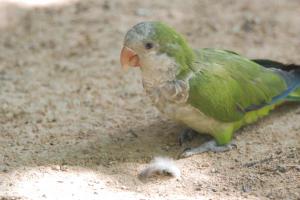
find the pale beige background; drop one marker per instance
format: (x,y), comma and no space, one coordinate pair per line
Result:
(73,125)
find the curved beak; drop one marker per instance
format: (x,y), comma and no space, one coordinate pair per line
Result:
(129,58)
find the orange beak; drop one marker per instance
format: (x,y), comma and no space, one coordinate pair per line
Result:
(129,58)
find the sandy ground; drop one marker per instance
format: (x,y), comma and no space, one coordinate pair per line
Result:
(75,126)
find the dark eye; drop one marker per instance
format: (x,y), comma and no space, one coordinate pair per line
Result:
(148,45)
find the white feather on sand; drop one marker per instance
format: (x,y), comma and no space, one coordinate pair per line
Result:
(162,166)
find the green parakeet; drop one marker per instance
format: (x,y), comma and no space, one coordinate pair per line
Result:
(211,91)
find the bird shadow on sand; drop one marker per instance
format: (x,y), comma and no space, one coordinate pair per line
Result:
(119,153)
(138,144)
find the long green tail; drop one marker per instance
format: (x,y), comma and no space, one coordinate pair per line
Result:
(294,68)
(294,96)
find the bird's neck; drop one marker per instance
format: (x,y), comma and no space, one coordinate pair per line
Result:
(158,70)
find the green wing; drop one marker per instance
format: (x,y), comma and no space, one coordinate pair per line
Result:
(226,86)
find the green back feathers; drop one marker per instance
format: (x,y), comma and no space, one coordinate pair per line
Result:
(226,85)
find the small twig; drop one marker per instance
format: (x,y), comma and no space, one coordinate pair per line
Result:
(133,133)
(9,198)
(251,164)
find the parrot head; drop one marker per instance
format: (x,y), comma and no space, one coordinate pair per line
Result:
(153,44)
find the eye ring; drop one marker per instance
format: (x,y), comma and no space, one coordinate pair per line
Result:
(149,45)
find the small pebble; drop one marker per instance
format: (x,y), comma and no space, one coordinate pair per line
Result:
(281,168)
(214,190)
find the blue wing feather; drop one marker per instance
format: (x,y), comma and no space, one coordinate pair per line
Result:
(292,79)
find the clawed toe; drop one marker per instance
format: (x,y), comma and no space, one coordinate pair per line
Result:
(205,147)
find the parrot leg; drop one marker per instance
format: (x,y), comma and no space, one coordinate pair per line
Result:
(205,147)
(187,135)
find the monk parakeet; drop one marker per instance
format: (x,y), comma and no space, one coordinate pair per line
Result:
(211,91)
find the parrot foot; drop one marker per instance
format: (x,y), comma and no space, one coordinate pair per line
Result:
(205,147)
(187,135)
